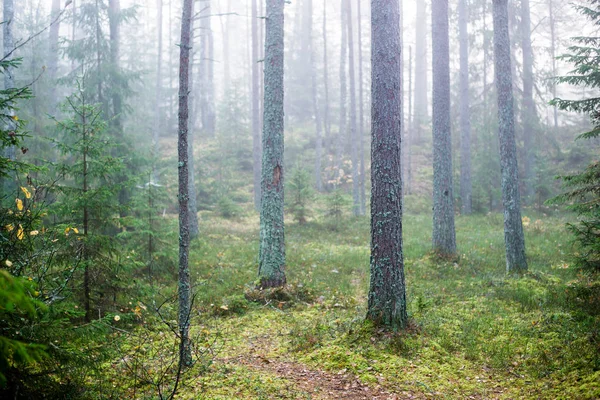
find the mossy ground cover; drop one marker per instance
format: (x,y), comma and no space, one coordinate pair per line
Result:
(475,332)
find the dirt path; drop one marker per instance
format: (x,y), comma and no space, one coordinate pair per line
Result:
(319,384)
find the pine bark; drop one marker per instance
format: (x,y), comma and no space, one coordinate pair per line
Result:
(466,185)
(529,111)
(513,228)
(271,270)
(444,236)
(256,144)
(182,149)
(387,292)
(354,139)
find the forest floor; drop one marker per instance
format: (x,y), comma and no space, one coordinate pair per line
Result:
(475,333)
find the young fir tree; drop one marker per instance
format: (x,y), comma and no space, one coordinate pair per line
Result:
(271,269)
(387,292)
(516,261)
(583,188)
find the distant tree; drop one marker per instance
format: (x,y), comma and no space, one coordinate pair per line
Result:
(516,261)
(342,125)
(361,112)
(271,269)
(256,148)
(466,184)
(53,55)
(354,139)
(185,300)
(444,236)
(387,291)
(529,113)
(421,113)
(583,188)
(326,119)
(9,80)
(158,91)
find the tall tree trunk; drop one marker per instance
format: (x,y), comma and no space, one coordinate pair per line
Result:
(158,93)
(256,145)
(361,113)
(272,238)
(529,111)
(553,56)
(207,105)
(308,16)
(387,291)
(185,301)
(516,261)
(114,16)
(226,68)
(326,119)
(421,67)
(192,114)
(341,139)
(466,185)
(444,236)
(87,285)
(354,139)
(410,120)
(53,55)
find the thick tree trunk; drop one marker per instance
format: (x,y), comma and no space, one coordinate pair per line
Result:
(444,236)
(466,185)
(387,292)
(256,145)
(185,306)
(53,56)
(361,113)
(421,114)
(354,139)
(529,111)
(513,228)
(341,139)
(271,270)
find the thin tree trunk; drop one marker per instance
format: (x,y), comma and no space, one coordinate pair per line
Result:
(84,252)
(192,114)
(158,93)
(354,139)
(553,56)
(53,55)
(226,68)
(387,291)
(308,15)
(271,270)
(361,111)
(326,119)
(185,303)
(529,111)
(513,227)
(410,120)
(256,144)
(341,139)
(421,67)
(444,236)
(466,186)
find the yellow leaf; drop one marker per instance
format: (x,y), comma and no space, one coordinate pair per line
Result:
(26,192)
(34,233)
(76,230)
(67,231)
(15,118)
(19,204)
(224,308)
(20,233)
(8,263)
(9,227)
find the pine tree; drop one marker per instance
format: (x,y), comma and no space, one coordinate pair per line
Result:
(516,261)
(271,270)
(387,292)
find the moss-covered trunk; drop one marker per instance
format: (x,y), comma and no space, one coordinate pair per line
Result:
(387,297)
(271,270)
